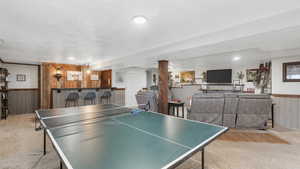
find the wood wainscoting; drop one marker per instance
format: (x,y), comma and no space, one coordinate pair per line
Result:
(287,110)
(21,101)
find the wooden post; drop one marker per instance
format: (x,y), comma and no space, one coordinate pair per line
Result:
(46,86)
(163,86)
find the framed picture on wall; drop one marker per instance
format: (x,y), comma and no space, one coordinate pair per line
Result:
(94,77)
(21,77)
(119,77)
(291,72)
(74,75)
(251,75)
(187,77)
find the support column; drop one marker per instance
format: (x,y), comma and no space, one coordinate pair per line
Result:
(163,86)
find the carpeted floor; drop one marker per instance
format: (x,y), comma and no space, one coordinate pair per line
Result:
(246,136)
(21,148)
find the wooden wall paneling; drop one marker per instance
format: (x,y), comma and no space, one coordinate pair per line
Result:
(63,81)
(46,86)
(106,78)
(85,76)
(49,81)
(39,86)
(93,83)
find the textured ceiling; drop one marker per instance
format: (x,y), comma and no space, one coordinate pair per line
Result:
(101,31)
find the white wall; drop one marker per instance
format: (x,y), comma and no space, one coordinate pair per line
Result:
(115,82)
(134,79)
(150,73)
(31,73)
(278,86)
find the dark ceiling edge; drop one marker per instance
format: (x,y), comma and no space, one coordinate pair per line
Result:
(28,64)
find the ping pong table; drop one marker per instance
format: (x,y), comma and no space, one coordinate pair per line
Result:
(112,137)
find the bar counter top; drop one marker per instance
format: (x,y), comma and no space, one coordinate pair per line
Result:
(113,88)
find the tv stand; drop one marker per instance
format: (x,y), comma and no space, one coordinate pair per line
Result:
(221,87)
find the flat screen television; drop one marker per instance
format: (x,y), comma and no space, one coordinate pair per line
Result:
(219,76)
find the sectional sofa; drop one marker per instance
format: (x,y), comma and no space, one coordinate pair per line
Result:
(232,109)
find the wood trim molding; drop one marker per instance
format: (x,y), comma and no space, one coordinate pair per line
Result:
(23,89)
(286,95)
(26,64)
(117,88)
(15,63)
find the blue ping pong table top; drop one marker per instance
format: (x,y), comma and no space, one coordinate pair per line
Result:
(143,141)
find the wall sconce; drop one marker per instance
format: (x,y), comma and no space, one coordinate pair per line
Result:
(58,73)
(88,70)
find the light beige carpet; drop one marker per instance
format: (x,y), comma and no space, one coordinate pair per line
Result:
(242,136)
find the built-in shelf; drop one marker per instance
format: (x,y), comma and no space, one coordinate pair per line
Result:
(222,84)
(4,92)
(221,87)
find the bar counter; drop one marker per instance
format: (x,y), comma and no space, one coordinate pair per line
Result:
(59,95)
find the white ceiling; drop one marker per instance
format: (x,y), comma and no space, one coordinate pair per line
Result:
(101,32)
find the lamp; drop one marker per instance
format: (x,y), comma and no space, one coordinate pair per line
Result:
(88,70)
(58,73)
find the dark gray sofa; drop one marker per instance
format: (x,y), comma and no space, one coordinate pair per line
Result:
(207,108)
(253,111)
(231,109)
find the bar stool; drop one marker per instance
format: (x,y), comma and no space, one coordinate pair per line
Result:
(91,97)
(106,96)
(72,98)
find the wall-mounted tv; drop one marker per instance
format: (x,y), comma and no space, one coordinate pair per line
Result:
(219,76)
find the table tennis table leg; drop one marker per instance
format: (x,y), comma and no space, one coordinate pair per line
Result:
(35,119)
(44,141)
(60,165)
(202,158)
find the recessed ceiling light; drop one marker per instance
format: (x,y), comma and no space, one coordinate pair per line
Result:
(71,58)
(236,58)
(139,20)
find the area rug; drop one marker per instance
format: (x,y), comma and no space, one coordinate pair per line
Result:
(236,136)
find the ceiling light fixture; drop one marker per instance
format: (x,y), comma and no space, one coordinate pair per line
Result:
(139,20)
(236,58)
(71,58)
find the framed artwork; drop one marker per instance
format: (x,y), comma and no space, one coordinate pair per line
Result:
(74,75)
(119,77)
(291,72)
(251,75)
(21,77)
(94,77)
(154,79)
(187,77)
(236,82)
